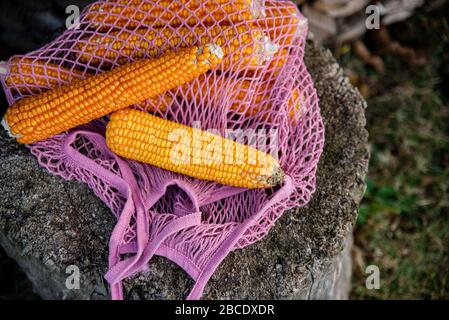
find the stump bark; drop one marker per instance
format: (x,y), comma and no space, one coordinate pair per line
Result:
(47,224)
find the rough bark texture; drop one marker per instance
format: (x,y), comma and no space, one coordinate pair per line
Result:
(47,224)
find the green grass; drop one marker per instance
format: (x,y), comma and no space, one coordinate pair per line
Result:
(403,225)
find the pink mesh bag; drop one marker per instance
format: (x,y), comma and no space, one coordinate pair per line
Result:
(193,223)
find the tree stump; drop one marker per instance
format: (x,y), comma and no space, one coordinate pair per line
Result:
(47,224)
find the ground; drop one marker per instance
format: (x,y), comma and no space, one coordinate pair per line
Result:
(403,224)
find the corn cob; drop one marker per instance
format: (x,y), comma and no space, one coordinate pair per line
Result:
(28,75)
(284,26)
(296,105)
(124,14)
(116,6)
(196,153)
(243,47)
(39,117)
(279,59)
(282,22)
(160,103)
(207,87)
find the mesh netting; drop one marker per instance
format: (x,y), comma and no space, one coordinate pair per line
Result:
(194,223)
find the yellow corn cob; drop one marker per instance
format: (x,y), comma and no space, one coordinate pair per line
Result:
(274,67)
(208,87)
(124,14)
(160,103)
(283,25)
(39,117)
(282,22)
(113,6)
(27,75)
(296,105)
(31,75)
(196,153)
(243,47)
(278,61)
